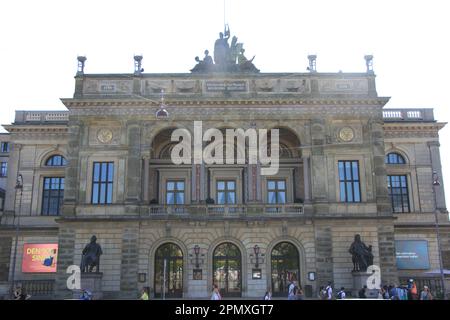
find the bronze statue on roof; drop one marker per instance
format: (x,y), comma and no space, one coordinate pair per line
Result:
(227,57)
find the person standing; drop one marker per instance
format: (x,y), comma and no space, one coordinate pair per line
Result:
(268,295)
(413,291)
(362,293)
(144,295)
(299,294)
(426,294)
(341,293)
(291,290)
(329,291)
(216,294)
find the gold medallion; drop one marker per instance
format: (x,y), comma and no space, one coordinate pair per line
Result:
(346,134)
(104,135)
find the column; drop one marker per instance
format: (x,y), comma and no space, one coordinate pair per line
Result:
(145,187)
(306,178)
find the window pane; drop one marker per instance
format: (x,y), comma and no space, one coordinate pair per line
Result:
(180,185)
(102,192)
(281,185)
(103,172)
(109,194)
(180,198)
(271,185)
(170,198)
(110,172)
(170,185)
(231,185)
(272,197)
(231,198)
(347,170)
(349,192)
(221,185)
(220,197)
(357,197)
(342,191)
(96,172)
(355,170)
(282,197)
(95,193)
(341,170)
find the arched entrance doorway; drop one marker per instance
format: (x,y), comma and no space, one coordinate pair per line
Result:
(170,256)
(285,267)
(227,269)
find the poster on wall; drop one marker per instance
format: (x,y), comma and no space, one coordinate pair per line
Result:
(39,257)
(412,254)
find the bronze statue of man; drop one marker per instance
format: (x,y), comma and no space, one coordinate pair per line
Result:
(362,256)
(90,256)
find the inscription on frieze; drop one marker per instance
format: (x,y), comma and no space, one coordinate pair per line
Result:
(219,86)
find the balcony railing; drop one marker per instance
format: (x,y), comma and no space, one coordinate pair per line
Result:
(39,117)
(408,114)
(224,210)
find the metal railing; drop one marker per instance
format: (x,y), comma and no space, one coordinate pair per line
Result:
(38,288)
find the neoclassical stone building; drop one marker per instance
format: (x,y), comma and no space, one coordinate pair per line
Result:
(103,167)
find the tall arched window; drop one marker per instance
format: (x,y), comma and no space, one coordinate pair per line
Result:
(227,269)
(56,161)
(398,185)
(170,256)
(285,267)
(394,158)
(53,188)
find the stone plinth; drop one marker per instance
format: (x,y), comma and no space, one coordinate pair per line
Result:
(91,281)
(359,281)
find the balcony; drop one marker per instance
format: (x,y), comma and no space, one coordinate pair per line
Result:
(408,115)
(41,117)
(223,210)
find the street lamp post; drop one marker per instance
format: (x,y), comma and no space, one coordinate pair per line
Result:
(19,186)
(436,183)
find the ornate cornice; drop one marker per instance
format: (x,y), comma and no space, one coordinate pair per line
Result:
(38,129)
(211,103)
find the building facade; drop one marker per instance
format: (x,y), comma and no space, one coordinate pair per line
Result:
(104,168)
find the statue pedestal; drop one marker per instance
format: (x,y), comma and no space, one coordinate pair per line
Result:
(359,281)
(91,281)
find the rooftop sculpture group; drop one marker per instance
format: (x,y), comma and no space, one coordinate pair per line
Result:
(227,57)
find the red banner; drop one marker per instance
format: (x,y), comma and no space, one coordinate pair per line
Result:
(39,257)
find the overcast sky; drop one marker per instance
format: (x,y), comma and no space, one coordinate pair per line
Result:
(40,41)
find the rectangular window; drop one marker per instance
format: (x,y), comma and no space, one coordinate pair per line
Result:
(398,191)
(52,196)
(102,182)
(3,169)
(226,192)
(175,192)
(349,188)
(276,191)
(4,147)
